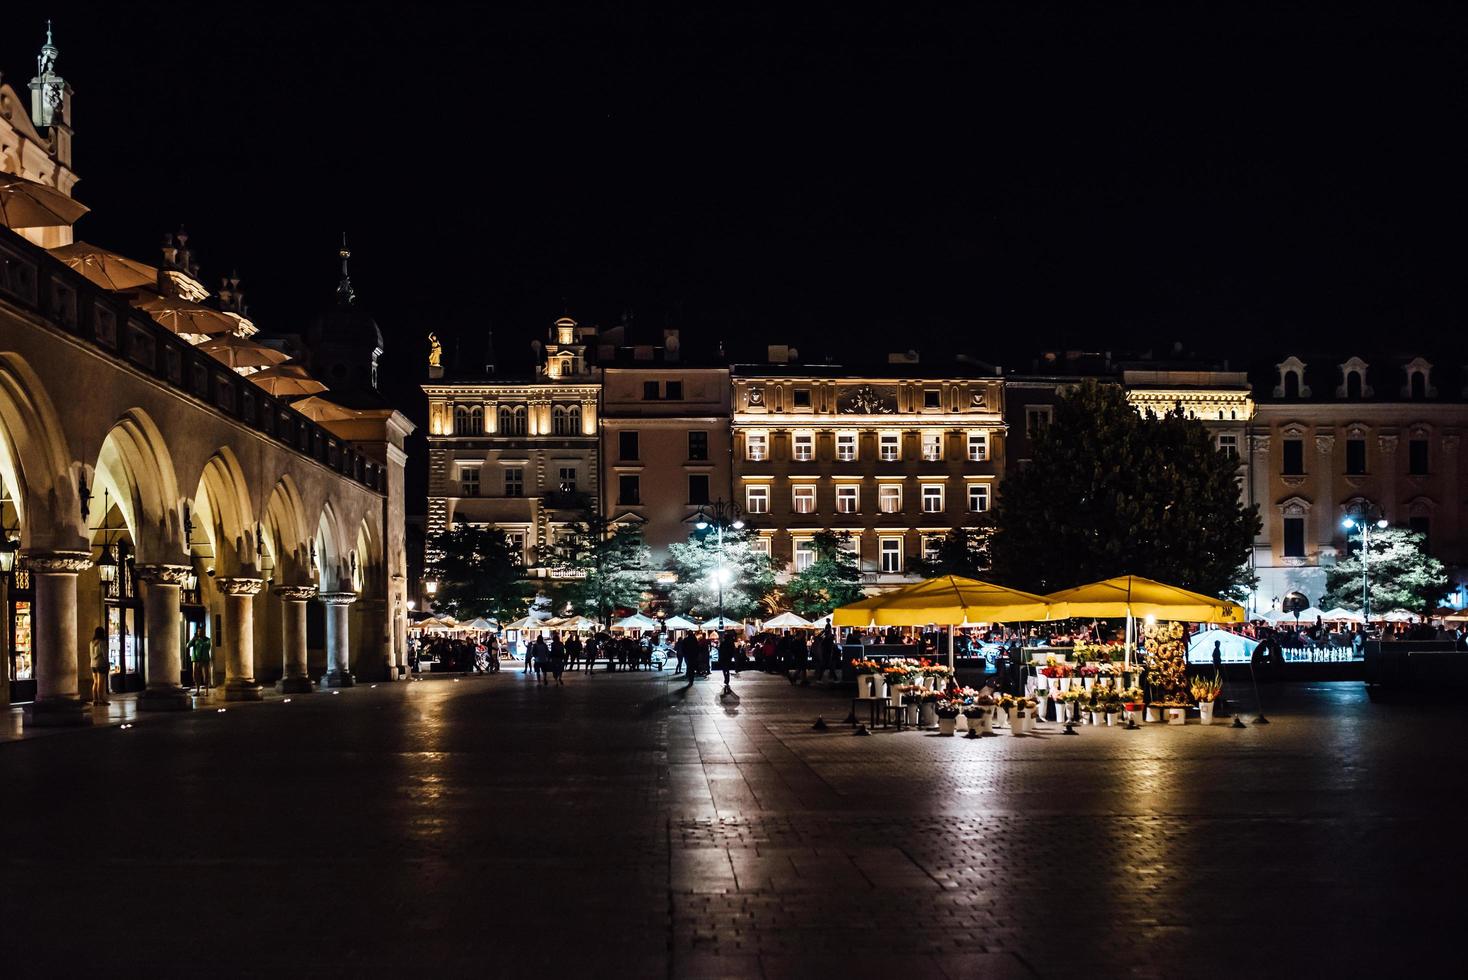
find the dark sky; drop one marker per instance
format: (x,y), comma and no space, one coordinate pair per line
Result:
(1010,178)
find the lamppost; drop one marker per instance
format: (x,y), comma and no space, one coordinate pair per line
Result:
(1349,524)
(430,586)
(720,514)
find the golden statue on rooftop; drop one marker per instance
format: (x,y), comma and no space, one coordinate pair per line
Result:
(435,351)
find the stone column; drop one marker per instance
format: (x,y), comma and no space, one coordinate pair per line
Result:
(294,679)
(164,638)
(239,638)
(338,647)
(53,638)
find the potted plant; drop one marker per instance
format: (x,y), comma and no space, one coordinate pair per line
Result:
(1131,704)
(947,712)
(1205,691)
(980,714)
(1088,673)
(868,678)
(896,675)
(1112,706)
(1042,698)
(927,702)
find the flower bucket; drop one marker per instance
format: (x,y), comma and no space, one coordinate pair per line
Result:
(1154,714)
(1064,683)
(1042,683)
(1016,722)
(866,685)
(1090,682)
(1177,716)
(894,695)
(927,715)
(946,726)
(961,723)
(986,724)
(1111,717)
(1041,703)
(1205,708)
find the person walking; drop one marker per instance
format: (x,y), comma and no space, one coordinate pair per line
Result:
(529,656)
(538,656)
(726,662)
(99,667)
(558,660)
(199,655)
(574,650)
(494,654)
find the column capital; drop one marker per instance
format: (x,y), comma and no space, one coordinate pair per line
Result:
(58,562)
(163,574)
(337,598)
(240,586)
(294,593)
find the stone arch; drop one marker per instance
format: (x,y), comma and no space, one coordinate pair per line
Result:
(36,466)
(368,549)
(332,572)
(286,533)
(135,470)
(222,508)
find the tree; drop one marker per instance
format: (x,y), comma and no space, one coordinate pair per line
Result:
(832,580)
(480,573)
(963,551)
(1402,575)
(598,566)
(752,574)
(1110,492)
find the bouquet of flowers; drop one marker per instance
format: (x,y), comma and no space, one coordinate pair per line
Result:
(1109,669)
(862,666)
(897,672)
(1089,670)
(1132,698)
(1054,670)
(948,707)
(1207,688)
(935,670)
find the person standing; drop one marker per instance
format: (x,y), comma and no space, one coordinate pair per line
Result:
(726,661)
(494,654)
(99,667)
(539,654)
(574,650)
(1217,654)
(558,660)
(199,655)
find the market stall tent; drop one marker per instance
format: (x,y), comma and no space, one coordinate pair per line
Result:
(680,623)
(636,621)
(1342,615)
(788,621)
(720,623)
(1131,597)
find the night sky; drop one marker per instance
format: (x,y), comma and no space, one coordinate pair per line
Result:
(1009,179)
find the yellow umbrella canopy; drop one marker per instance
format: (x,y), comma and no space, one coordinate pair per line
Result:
(186,317)
(287,379)
(238,352)
(949,600)
(27,204)
(107,269)
(319,409)
(1132,595)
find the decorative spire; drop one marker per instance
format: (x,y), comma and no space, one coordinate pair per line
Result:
(47,88)
(344,292)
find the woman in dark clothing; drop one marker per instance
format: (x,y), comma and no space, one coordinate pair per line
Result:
(540,657)
(558,660)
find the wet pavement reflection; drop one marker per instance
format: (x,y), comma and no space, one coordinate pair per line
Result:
(627,825)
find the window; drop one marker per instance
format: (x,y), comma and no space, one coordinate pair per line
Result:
(629,490)
(698,488)
(757,445)
(848,499)
(627,445)
(1294,537)
(517,544)
(978,497)
(649,391)
(1417,457)
(757,499)
(889,498)
(932,446)
(512,420)
(1037,419)
(1294,457)
(889,446)
(846,446)
(803,446)
(761,544)
(931,544)
(932,498)
(1356,457)
(1353,384)
(891,554)
(698,445)
(566,420)
(932,398)
(805,554)
(803,499)
(468,420)
(568,479)
(515,481)
(673,391)
(1229,446)
(978,446)
(469,481)
(802,398)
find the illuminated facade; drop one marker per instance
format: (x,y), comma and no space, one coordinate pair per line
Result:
(35,137)
(520,455)
(897,455)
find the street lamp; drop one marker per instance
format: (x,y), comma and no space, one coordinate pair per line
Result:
(1364,525)
(9,547)
(720,514)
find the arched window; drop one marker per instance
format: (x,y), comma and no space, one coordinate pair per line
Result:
(1291,384)
(468,420)
(1419,384)
(1353,384)
(573,419)
(507,419)
(558,421)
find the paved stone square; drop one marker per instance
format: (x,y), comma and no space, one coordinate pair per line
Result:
(626,825)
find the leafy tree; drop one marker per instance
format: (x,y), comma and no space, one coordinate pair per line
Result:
(832,580)
(1110,492)
(480,573)
(599,566)
(963,551)
(1402,575)
(752,574)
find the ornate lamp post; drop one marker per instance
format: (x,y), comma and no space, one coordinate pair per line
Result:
(1365,526)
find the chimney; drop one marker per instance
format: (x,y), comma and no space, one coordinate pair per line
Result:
(778,354)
